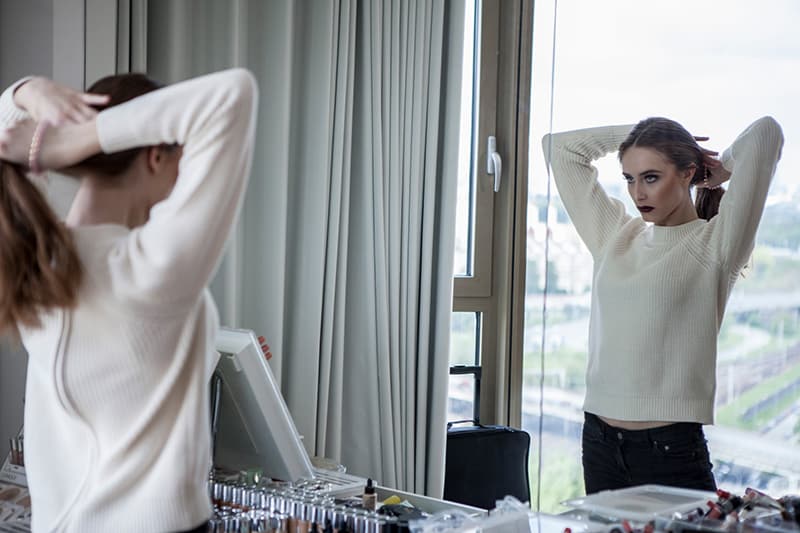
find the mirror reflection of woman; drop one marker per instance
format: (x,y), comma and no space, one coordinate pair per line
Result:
(112,305)
(660,285)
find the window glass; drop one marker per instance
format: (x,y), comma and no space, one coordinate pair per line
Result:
(465,207)
(464,352)
(460,398)
(714,67)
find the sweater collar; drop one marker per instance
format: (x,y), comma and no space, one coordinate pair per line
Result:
(673,234)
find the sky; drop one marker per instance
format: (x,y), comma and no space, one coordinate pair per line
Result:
(713,65)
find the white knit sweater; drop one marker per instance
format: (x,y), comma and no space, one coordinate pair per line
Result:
(117,431)
(659,292)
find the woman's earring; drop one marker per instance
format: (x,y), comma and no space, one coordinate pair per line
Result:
(706,174)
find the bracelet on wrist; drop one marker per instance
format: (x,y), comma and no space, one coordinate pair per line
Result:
(36,147)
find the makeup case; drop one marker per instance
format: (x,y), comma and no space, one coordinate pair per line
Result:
(486,463)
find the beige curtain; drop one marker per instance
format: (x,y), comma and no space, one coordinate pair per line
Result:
(343,258)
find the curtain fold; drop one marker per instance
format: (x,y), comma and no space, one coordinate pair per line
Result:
(331,353)
(344,256)
(398,287)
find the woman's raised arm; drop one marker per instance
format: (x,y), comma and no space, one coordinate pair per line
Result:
(571,154)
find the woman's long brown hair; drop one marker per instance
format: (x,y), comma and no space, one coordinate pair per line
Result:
(39,265)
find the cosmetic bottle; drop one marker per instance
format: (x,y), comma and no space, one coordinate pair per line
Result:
(369,499)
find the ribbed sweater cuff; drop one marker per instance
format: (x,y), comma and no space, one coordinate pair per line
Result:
(112,132)
(9,112)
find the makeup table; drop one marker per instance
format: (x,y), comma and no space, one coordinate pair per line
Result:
(15,501)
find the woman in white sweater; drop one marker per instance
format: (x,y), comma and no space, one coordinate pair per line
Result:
(661,283)
(112,306)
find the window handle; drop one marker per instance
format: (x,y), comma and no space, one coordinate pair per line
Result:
(494,165)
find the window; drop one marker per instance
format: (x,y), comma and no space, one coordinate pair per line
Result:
(714,71)
(475,195)
(473,257)
(465,369)
(497,71)
(465,338)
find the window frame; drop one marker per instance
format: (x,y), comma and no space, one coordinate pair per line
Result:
(479,282)
(503,89)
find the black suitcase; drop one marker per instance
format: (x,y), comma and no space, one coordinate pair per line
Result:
(486,463)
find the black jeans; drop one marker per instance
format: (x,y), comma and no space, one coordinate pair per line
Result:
(675,455)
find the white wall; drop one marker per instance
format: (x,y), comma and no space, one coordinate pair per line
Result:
(26,39)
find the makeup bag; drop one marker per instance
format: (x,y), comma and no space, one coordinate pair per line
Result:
(485,464)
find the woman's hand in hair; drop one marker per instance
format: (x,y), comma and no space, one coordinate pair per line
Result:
(47,100)
(59,146)
(716,173)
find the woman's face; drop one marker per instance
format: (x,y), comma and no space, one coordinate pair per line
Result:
(658,189)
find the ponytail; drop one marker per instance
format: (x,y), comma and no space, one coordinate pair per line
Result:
(40,267)
(707,201)
(39,264)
